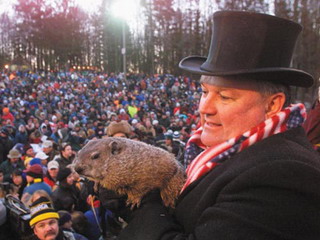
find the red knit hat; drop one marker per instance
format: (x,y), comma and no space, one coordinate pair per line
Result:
(35,171)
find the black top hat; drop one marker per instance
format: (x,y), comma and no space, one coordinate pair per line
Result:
(251,44)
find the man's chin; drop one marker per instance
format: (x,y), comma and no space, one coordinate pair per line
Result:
(209,139)
(51,237)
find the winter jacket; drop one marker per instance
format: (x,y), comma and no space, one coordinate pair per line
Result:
(21,137)
(5,146)
(71,235)
(65,197)
(64,162)
(37,186)
(48,180)
(7,167)
(269,191)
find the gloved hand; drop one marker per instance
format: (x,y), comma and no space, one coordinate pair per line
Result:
(117,204)
(151,198)
(114,202)
(111,200)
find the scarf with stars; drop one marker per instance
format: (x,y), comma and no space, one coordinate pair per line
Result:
(201,159)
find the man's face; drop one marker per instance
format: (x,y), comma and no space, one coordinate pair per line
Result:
(53,172)
(47,229)
(3,135)
(17,180)
(14,160)
(44,162)
(1,177)
(29,179)
(227,112)
(70,179)
(47,150)
(104,117)
(30,152)
(67,152)
(168,142)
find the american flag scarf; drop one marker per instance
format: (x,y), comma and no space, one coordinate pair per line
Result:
(200,159)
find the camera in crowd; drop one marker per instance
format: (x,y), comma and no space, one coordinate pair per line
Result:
(18,217)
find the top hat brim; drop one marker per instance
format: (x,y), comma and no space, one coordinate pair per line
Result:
(287,76)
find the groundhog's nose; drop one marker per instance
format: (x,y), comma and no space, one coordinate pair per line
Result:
(78,169)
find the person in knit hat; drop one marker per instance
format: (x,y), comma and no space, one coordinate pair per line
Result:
(65,220)
(7,115)
(34,175)
(44,219)
(45,222)
(65,223)
(28,155)
(64,174)
(66,195)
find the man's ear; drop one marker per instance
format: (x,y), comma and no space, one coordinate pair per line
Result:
(35,230)
(275,103)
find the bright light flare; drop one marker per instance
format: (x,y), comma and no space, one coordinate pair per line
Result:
(126,9)
(89,5)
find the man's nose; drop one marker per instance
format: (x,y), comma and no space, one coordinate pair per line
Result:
(49,227)
(208,106)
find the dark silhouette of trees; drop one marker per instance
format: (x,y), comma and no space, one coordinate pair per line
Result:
(60,35)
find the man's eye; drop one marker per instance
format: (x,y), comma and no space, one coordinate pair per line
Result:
(204,91)
(52,222)
(224,97)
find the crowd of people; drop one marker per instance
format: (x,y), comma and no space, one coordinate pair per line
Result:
(47,117)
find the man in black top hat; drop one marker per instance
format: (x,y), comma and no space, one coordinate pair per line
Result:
(252,173)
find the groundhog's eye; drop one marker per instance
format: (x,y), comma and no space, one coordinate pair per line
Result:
(95,155)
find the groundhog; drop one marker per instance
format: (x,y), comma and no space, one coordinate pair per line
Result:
(131,168)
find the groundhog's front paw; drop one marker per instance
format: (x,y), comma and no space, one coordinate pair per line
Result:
(133,200)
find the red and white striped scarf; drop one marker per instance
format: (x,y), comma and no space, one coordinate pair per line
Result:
(288,118)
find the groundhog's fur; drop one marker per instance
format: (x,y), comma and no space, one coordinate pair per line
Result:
(131,168)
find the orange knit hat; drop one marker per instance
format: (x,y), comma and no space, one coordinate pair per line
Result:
(5,110)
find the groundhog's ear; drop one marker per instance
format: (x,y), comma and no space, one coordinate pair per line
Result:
(115,148)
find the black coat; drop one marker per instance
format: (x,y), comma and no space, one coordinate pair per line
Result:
(64,162)
(5,146)
(270,190)
(66,197)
